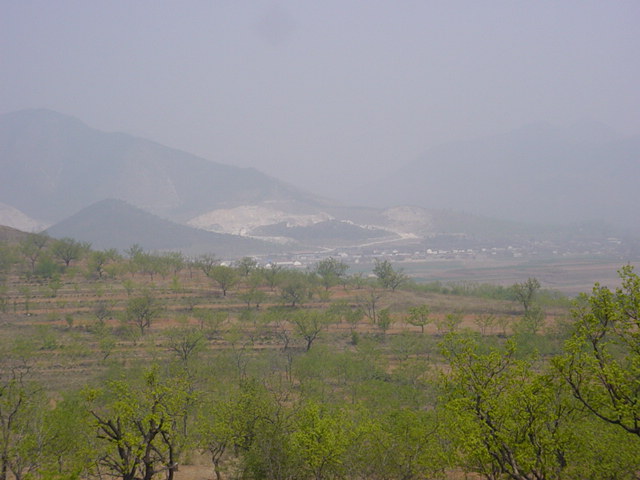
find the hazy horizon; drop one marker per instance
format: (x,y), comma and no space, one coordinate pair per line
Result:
(322,95)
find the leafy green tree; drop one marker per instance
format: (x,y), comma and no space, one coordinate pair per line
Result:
(330,271)
(602,360)
(134,251)
(531,322)
(388,276)
(70,447)
(507,419)
(602,451)
(210,321)
(206,262)
(47,267)
(419,316)
(175,261)
(140,426)
(246,265)
(321,440)
(98,260)
(525,292)
(343,311)
(149,264)
(385,320)
(225,277)
(253,296)
(449,323)
(141,311)
(68,250)
(26,292)
(54,285)
(294,288)
(357,280)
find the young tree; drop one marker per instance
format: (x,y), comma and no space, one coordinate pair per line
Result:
(102,310)
(185,342)
(330,271)
(32,247)
(388,276)
(206,262)
(294,289)
(99,259)
(175,261)
(385,320)
(419,316)
(485,322)
(278,320)
(343,311)
(525,292)
(309,324)
(369,304)
(141,311)
(531,322)
(246,265)
(271,274)
(68,250)
(225,277)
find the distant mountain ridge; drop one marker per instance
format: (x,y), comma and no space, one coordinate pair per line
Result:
(55,165)
(538,173)
(114,190)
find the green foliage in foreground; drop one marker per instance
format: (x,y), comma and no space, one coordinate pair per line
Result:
(315,391)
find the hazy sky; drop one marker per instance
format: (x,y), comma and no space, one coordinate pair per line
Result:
(322,93)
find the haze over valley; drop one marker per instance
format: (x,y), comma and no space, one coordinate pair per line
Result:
(275,128)
(115,190)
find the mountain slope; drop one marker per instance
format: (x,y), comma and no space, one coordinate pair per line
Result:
(11,235)
(55,165)
(536,174)
(116,224)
